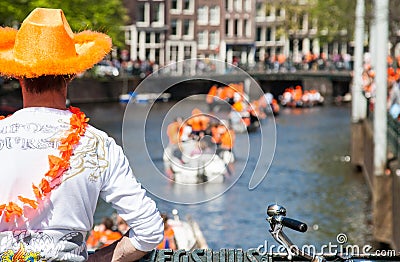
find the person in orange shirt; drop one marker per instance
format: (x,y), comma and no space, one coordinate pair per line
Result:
(275,106)
(229,92)
(216,131)
(198,121)
(227,139)
(298,94)
(211,94)
(169,236)
(173,131)
(238,106)
(103,235)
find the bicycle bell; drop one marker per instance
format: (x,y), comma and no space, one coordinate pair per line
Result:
(276,210)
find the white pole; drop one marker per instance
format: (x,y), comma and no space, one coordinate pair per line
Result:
(359,101)
(134,42)
(380,113)
(372,44)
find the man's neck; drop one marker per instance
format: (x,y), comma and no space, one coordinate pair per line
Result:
(51,99)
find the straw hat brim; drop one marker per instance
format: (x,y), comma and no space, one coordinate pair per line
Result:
(91,47)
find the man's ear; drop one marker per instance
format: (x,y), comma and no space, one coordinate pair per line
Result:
(21,83)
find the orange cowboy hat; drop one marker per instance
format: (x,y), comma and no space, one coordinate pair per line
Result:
(46,45)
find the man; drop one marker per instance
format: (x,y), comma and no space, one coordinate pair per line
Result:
(174,131)
(54,166)
(199,122)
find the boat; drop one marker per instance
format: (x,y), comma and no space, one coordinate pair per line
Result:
(268,104)
(187,168)
(188,235)
(221,98)
(144,97)
(296,97)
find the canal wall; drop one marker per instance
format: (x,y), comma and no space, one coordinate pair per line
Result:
(385,189)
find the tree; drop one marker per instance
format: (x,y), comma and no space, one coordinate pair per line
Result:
(294,12)
(336,19)
(394,22)
(105,16)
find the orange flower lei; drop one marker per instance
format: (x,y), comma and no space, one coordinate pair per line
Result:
(58,165)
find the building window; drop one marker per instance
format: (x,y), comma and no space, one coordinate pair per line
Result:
(174,27)
(202,39)
(236,27)
(148,38)
(214,15)
(228,28)
(158,13)
(186,27)
(214,39)
(140,12)
(157,56)
(174,53)
(268,34)
(187,52)
(174,4)
(280,12)
(301,21)
(260,9)
(143,14)
(188,5)
(202,18)
(258,33)
(271,12)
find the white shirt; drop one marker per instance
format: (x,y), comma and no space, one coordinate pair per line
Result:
(58,228)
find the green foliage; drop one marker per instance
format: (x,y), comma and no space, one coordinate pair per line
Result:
(394,21)
(336,19)
(295,11)
(105,16)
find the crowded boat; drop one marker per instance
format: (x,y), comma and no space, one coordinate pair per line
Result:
(199,149)
(296,97)
(244,114)
(178,234)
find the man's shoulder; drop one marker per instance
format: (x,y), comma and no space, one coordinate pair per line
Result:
(94,132)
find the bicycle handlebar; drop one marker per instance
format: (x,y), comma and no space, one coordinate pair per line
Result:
(293,224)
(277,220)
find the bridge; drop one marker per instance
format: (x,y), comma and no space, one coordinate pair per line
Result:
(329,83)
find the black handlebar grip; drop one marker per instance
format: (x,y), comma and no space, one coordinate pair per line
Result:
(294,224)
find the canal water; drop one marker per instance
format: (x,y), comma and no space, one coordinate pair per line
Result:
(310,174)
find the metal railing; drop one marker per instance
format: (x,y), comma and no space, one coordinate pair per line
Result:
(393,132)
(393,136)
